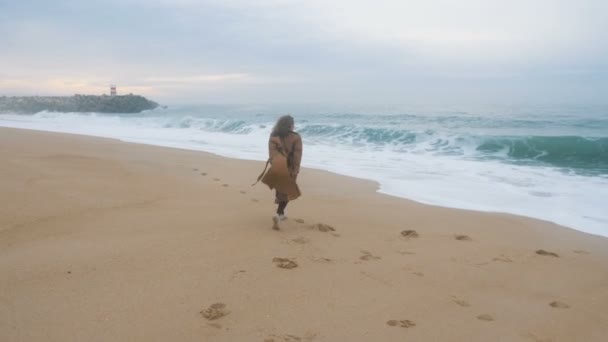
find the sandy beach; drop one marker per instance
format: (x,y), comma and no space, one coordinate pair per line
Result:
(102,240)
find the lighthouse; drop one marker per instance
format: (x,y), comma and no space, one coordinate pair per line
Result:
(112,89)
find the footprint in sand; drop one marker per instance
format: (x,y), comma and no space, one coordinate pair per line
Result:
(215,311)
(299,220)
(460,302)
(536,338)
(321,260)
(409,233)
(368,256)
(405,323)
(284,263)
(195,169)
(204,174)
(546,253)
(559,305)
(406,253)
(255,200)
(243,192)
(237,273)
(485,317)
(579,251)
(461,237)
(322,227)
(300,240)
(225,185)
(290,338)
(216,179)
(502,258)
(420,274)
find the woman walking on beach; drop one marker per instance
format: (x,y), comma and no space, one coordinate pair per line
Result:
(285,155)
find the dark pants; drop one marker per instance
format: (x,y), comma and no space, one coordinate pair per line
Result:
(281,200)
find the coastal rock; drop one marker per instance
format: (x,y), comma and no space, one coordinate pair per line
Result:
(76,104)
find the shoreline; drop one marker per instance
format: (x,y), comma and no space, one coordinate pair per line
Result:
(108,240)
(379,189)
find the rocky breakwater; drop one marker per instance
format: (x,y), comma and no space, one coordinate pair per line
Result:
(77,103)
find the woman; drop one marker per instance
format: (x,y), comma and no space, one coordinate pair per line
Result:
(285,155)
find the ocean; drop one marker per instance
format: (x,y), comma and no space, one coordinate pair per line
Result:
(549,163)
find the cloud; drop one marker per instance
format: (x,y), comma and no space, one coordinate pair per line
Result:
(312,50)
(213,78)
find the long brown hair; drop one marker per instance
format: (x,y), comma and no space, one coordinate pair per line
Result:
(283,126)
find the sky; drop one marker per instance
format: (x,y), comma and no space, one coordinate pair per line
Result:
(309,51)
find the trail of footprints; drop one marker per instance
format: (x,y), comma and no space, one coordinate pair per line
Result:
(225,185)
(412,234)
(219,310)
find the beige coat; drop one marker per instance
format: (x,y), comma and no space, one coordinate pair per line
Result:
(285,158)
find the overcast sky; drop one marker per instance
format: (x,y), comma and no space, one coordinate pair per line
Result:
(309,51)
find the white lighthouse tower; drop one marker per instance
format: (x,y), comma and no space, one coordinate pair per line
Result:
(112,89)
